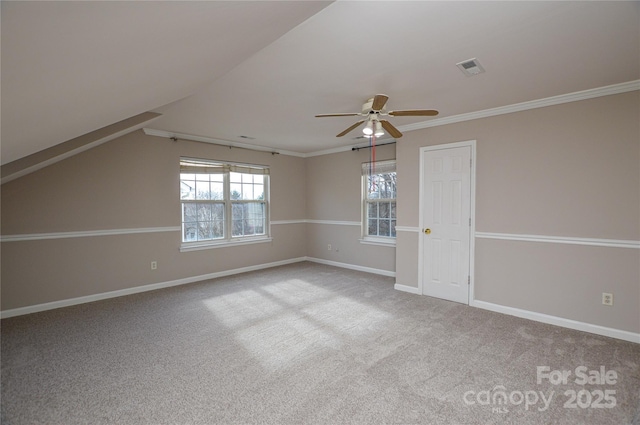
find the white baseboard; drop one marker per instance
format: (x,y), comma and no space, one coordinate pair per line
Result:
(352,267)
(405,288)
(558,321)
(144,288)
(525,314)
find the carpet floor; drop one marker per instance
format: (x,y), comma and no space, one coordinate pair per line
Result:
(307,344)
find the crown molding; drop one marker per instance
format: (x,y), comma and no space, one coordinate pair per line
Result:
(518,107)
(328,151)
(524,106)
(219,142)
(339,149)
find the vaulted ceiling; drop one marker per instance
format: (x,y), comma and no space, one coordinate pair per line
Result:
(264,69)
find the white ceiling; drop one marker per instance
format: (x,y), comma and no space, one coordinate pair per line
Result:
(264,69)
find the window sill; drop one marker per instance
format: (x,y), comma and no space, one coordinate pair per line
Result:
(367,240)
(197,246)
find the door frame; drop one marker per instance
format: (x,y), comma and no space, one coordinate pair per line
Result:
(472,206)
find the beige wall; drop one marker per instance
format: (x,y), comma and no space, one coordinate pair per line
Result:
(334,183)
(334,194)
(570,170)
(561,280)
(130,182)
(133,182)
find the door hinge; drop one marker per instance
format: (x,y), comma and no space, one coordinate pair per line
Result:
(469,280)
(470,162)
(469,221)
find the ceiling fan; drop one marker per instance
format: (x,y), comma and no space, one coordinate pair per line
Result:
(372,110)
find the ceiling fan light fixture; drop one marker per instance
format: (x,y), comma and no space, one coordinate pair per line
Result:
(368,129)
(379,132)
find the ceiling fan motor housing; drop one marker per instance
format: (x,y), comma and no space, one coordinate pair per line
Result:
(367,106)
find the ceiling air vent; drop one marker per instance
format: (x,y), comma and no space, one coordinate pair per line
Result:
(470,67)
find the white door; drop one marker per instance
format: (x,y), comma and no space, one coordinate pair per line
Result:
(446,220)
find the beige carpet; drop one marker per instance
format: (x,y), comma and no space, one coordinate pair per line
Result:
(304,344)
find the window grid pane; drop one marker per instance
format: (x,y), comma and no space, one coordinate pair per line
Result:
(381,186)
(380,211)
(381,219)
(206,213)
(202,221)
(248,218)
(247,187)
(201,186)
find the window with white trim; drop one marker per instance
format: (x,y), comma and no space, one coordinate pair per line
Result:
(223,202)
(379,201)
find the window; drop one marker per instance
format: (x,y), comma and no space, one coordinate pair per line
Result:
(223,202)
(379,201)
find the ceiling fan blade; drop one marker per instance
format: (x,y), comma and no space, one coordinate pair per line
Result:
(394,132)
(379,101)
(348,114)
(350,128)
(414,113)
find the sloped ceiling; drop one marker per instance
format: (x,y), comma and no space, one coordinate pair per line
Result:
(69,68)
(264,69)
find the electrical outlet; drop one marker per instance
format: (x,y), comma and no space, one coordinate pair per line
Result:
(154,265)
(607,299)
(329,247)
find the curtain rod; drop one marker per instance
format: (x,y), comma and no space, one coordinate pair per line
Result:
(369,147)
(230,146)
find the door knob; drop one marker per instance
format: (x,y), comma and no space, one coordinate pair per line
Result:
(427,231)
